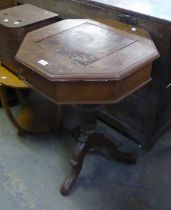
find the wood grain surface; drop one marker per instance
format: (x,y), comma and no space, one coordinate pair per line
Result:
(123,62)
(85,49)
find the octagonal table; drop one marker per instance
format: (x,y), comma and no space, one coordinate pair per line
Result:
(87,64)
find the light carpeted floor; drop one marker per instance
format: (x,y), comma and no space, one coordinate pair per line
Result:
(33,167)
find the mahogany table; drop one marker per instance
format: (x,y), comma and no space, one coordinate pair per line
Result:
(87,64)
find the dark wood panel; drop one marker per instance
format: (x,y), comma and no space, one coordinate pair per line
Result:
(153,9)
(6,4)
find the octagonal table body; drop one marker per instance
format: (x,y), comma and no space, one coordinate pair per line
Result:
(86,63)
(83,56)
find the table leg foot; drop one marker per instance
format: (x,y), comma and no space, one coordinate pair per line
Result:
(67,185)
(76,164)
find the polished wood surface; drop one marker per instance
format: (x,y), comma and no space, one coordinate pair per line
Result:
(115,65)
(15,23)
(9,79)
(102,91)
(85,62)
(107,53)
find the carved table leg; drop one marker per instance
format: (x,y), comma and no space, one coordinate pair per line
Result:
(76,164)
(89,139)
(87,126)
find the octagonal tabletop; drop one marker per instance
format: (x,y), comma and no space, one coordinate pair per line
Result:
(85,50)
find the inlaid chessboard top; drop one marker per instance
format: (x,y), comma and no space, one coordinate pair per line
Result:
(24,15)
(85,50)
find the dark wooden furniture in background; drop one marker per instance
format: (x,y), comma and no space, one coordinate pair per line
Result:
(6,4)
(88,64)
(152,103)
(31,116)
(15,23)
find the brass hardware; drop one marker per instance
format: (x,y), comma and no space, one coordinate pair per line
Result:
(127,18)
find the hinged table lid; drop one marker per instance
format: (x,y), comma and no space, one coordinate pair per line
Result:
(85,50)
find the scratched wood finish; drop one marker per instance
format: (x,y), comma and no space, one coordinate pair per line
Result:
(87,92)
(106,54)
(105,71)
(15,23)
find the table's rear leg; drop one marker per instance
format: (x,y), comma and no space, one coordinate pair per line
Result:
(99,140)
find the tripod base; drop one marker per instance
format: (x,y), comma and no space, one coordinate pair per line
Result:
(88,140)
